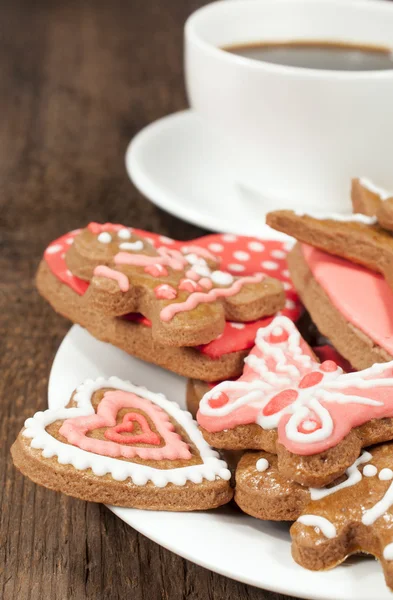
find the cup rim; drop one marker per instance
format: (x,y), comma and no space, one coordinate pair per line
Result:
(191,36)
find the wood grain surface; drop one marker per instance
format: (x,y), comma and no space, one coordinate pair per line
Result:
(77,80)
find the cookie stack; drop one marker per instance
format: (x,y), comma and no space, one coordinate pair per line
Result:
(312,435)
(193,308)
(321,438)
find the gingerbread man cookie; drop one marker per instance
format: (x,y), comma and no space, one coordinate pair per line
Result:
(184,294)
(353,515)
(312,415)
(221,358)
(123,445)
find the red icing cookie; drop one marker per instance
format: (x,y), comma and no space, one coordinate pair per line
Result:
(239,255)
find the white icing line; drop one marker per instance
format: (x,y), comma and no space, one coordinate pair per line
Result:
(138,245)
(353,474)
(354,218)
(371,187)
(211,468)
(374,513)
(324,525)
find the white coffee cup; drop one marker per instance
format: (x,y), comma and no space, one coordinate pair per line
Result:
(295,135)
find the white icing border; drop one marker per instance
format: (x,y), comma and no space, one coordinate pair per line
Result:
(35,428)
(375,189)
(354,218)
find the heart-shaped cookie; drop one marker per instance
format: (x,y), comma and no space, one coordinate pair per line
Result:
(82,451)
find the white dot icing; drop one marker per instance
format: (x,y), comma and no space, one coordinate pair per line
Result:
(385,474)
(221,278)
(278,254)
(262,465)
(256,246)
(237,268)
(216,247)
(270,265)
(124,234)
(370,470)
(104,237)
(202,270)
(290,304)
(229,237)
(194,259)
(54,248)
(240,255)
(237,325)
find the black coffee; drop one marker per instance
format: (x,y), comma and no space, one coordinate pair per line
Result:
(332,56)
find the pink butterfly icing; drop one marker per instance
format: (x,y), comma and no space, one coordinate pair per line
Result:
(312,405)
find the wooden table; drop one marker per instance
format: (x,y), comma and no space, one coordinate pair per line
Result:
(78,80)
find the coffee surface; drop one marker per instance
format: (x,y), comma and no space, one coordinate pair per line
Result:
(326,55)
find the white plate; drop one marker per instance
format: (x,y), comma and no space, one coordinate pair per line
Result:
(224,540)
(179,166)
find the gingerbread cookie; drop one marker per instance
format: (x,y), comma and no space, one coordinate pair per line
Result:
(313,416)
(348,303)
(220,359)
(353,515)
(123,445)
(183,293)
(371,200)
(357,237)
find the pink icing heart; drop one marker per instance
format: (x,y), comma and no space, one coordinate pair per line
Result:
(75,430)
(127,426)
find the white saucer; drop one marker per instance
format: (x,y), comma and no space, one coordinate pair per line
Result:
(225,540)
(178,165)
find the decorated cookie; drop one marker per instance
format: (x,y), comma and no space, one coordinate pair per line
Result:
(353,515)
(312,415)
(183,292)
(349,304)
(357,238)
(374,201)
(196,388)
(123,445)
(219,359)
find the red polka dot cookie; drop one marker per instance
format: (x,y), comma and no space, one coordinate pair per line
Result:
(220,358)
(182,290)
